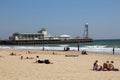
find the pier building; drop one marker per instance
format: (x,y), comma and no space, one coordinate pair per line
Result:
(41,35)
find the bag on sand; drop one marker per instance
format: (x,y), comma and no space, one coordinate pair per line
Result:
(39,61)
(47,61)
(115,69)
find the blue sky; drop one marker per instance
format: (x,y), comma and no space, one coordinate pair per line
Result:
(61,17)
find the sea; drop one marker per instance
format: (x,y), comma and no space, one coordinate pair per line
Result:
(97,46)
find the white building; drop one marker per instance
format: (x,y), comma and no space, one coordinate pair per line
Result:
(27,36)
(64,37)
(41,35)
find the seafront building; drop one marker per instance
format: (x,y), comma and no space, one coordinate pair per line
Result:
(41,35)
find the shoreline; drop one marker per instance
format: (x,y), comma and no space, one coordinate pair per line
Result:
(90,52)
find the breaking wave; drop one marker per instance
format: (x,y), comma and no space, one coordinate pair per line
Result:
(93,48)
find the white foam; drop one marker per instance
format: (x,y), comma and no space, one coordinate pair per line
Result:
(95,48)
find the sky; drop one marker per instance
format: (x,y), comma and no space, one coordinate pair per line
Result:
(61,17)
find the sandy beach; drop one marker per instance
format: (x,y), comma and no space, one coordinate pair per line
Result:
(63,68)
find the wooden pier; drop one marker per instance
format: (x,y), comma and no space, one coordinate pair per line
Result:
(54,41)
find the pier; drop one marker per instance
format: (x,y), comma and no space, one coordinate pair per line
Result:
(54,41)
(42,37)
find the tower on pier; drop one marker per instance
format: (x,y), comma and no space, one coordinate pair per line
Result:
(86,31)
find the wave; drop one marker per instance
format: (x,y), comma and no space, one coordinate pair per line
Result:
(92,48)
(64,45)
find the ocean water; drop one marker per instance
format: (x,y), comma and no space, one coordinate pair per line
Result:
(97,46)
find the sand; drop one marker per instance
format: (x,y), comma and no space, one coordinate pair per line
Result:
(63,68)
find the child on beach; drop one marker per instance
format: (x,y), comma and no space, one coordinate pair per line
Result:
(106,66)
(96,66)
(37,58)
(112,68)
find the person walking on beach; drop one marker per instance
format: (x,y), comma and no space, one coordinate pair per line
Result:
(113,51)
